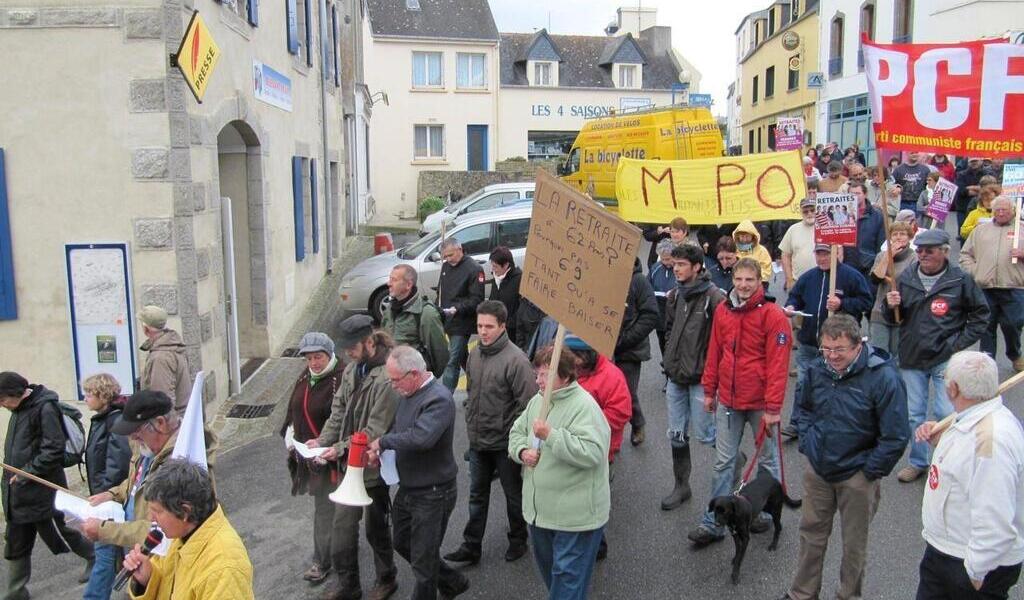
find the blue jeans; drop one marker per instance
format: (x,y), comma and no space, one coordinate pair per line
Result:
(917,405)
(1007,306)
(101,581)
(686,406)
(728,436)
(458,352)
(566,560)
(805,356)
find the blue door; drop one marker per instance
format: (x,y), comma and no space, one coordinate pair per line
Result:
(476,144)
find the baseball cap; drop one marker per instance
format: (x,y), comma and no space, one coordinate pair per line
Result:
(141,407)
(153,316)
(314,341)
(354,330)
(822,248)
(807,202)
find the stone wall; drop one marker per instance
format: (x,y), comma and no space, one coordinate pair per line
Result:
(463,183)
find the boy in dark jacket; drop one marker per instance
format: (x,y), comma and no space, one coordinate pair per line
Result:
(849,450)
(35,444)
(634,346)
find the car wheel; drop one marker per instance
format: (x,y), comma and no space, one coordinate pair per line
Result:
(376,306)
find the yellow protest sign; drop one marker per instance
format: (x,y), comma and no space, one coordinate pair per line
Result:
(579,261)
(705,191)
(197,56)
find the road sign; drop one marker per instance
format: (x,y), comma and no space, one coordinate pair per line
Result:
(816,80)
(701,100)
(197,56)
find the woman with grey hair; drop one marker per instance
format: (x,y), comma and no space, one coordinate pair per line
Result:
(214,565)
(662,278)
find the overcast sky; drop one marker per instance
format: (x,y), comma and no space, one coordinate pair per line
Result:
(705,37)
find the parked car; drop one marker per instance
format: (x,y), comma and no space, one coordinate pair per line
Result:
(364,288)
(489,197)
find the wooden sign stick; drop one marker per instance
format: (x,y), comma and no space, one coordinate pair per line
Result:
(40,481)
(832,267)
(944,424)
(556,354)
(1016,227)
(890,266)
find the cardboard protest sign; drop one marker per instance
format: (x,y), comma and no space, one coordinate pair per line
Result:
(835,219)
(942,199)
(579,262)
(1013,180)
(709,191)
(789,133)
(961,98)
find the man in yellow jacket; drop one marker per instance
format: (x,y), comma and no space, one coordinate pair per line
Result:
(212,565)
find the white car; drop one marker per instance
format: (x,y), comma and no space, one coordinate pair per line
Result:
(498,195)
(364,288)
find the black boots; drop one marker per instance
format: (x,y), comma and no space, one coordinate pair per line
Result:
(19,571)
(681,472)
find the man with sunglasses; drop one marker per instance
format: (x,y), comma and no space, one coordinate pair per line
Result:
(942,311)
(151,423)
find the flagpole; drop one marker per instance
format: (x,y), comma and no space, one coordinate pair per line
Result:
(40,481)
(890,264)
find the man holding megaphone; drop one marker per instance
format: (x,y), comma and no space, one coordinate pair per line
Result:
(365,402)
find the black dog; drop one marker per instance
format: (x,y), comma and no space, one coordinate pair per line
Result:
(737,512)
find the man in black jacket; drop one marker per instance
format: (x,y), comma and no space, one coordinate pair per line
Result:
(421,437)
(942,311)
(505,285)
(634,345)
(968,186)
(35,444)
(460,289)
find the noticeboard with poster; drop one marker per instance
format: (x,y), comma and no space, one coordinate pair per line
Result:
(579,262)
(835,219)
(789,133)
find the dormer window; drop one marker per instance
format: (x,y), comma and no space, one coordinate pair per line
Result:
(629,76)
(545,73)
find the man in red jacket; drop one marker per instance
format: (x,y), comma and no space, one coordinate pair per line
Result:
(746,373)
(606,383)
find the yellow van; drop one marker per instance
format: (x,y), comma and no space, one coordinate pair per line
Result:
(669,133)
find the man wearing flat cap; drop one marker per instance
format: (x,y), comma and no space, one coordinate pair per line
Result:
(365,402)
(942,311)
(150,421)
(166,367)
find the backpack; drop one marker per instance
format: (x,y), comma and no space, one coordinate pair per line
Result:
(74,434)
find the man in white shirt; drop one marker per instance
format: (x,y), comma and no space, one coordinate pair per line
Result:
(797,245)
(973,509)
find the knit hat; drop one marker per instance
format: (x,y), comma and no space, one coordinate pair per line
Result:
(153,316)
(906,216)
(574,342)
(314,341)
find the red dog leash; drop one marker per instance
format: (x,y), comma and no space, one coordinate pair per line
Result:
(762,433)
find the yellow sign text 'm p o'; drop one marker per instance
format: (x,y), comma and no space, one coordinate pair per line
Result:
(197,56)
(706,191)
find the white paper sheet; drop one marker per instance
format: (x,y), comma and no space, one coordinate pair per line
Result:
(388,468)
(78,509)
(303,450)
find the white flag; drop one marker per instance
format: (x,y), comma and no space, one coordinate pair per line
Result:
(191,442)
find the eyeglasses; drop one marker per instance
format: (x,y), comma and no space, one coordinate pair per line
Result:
(834,351)
(928,249)
(397,379)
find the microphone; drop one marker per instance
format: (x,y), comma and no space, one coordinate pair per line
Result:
(152,541)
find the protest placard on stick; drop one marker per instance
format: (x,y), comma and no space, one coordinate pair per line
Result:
(942,200)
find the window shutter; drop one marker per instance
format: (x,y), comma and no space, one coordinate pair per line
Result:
(253,7)
(8,305)
(309,32)
(315,216)
(293,26)
(300,228)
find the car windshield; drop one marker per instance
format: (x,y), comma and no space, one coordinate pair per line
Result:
(457,206)
(417,248)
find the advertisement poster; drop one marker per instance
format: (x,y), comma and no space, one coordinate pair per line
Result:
(942,199)
(835,219)
(1013,180)
(271,87)
(789,133)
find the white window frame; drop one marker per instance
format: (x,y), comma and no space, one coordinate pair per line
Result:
(432,153)
(472,58)
(542,68)
(426,56)
(627,76)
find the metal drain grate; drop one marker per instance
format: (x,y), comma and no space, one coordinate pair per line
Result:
(250,411)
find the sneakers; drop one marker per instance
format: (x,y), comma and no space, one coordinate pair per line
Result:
(515,551)
(637,436)
(463,555)
(315,574)
(383,590)
(908,474)
(703,535)
(1018,364)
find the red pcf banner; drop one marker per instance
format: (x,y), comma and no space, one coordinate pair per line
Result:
(965,98)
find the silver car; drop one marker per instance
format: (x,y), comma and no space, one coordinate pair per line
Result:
(489,197)
(364,288)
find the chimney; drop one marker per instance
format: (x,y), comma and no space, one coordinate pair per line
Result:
(634,19)
(659,37)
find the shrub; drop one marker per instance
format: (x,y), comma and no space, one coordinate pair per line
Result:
(429,206)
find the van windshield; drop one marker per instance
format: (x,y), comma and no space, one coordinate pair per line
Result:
(572,164)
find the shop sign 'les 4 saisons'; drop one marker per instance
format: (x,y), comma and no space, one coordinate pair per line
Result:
(197,56)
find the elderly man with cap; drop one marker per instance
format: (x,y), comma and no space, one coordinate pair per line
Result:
(365,402)
(797,245)
(308,409)
(973,509)
(942,311)
(151,423)
(810,296)
(166,367)
(989,255)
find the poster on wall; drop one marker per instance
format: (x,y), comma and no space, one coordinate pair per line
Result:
(271,87)
(789,133)
(101,312)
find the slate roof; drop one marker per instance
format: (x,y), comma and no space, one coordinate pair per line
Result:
(436,19)
(581,57)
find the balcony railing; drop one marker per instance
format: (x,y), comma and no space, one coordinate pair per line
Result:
(835,66)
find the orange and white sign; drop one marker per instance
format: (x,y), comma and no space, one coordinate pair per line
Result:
(197,56)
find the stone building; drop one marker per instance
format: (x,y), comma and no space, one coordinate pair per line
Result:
(228,212)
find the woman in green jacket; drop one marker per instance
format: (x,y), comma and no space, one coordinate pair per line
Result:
(565,480)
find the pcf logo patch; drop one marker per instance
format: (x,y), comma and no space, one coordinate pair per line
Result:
(933,477)
(940,306)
